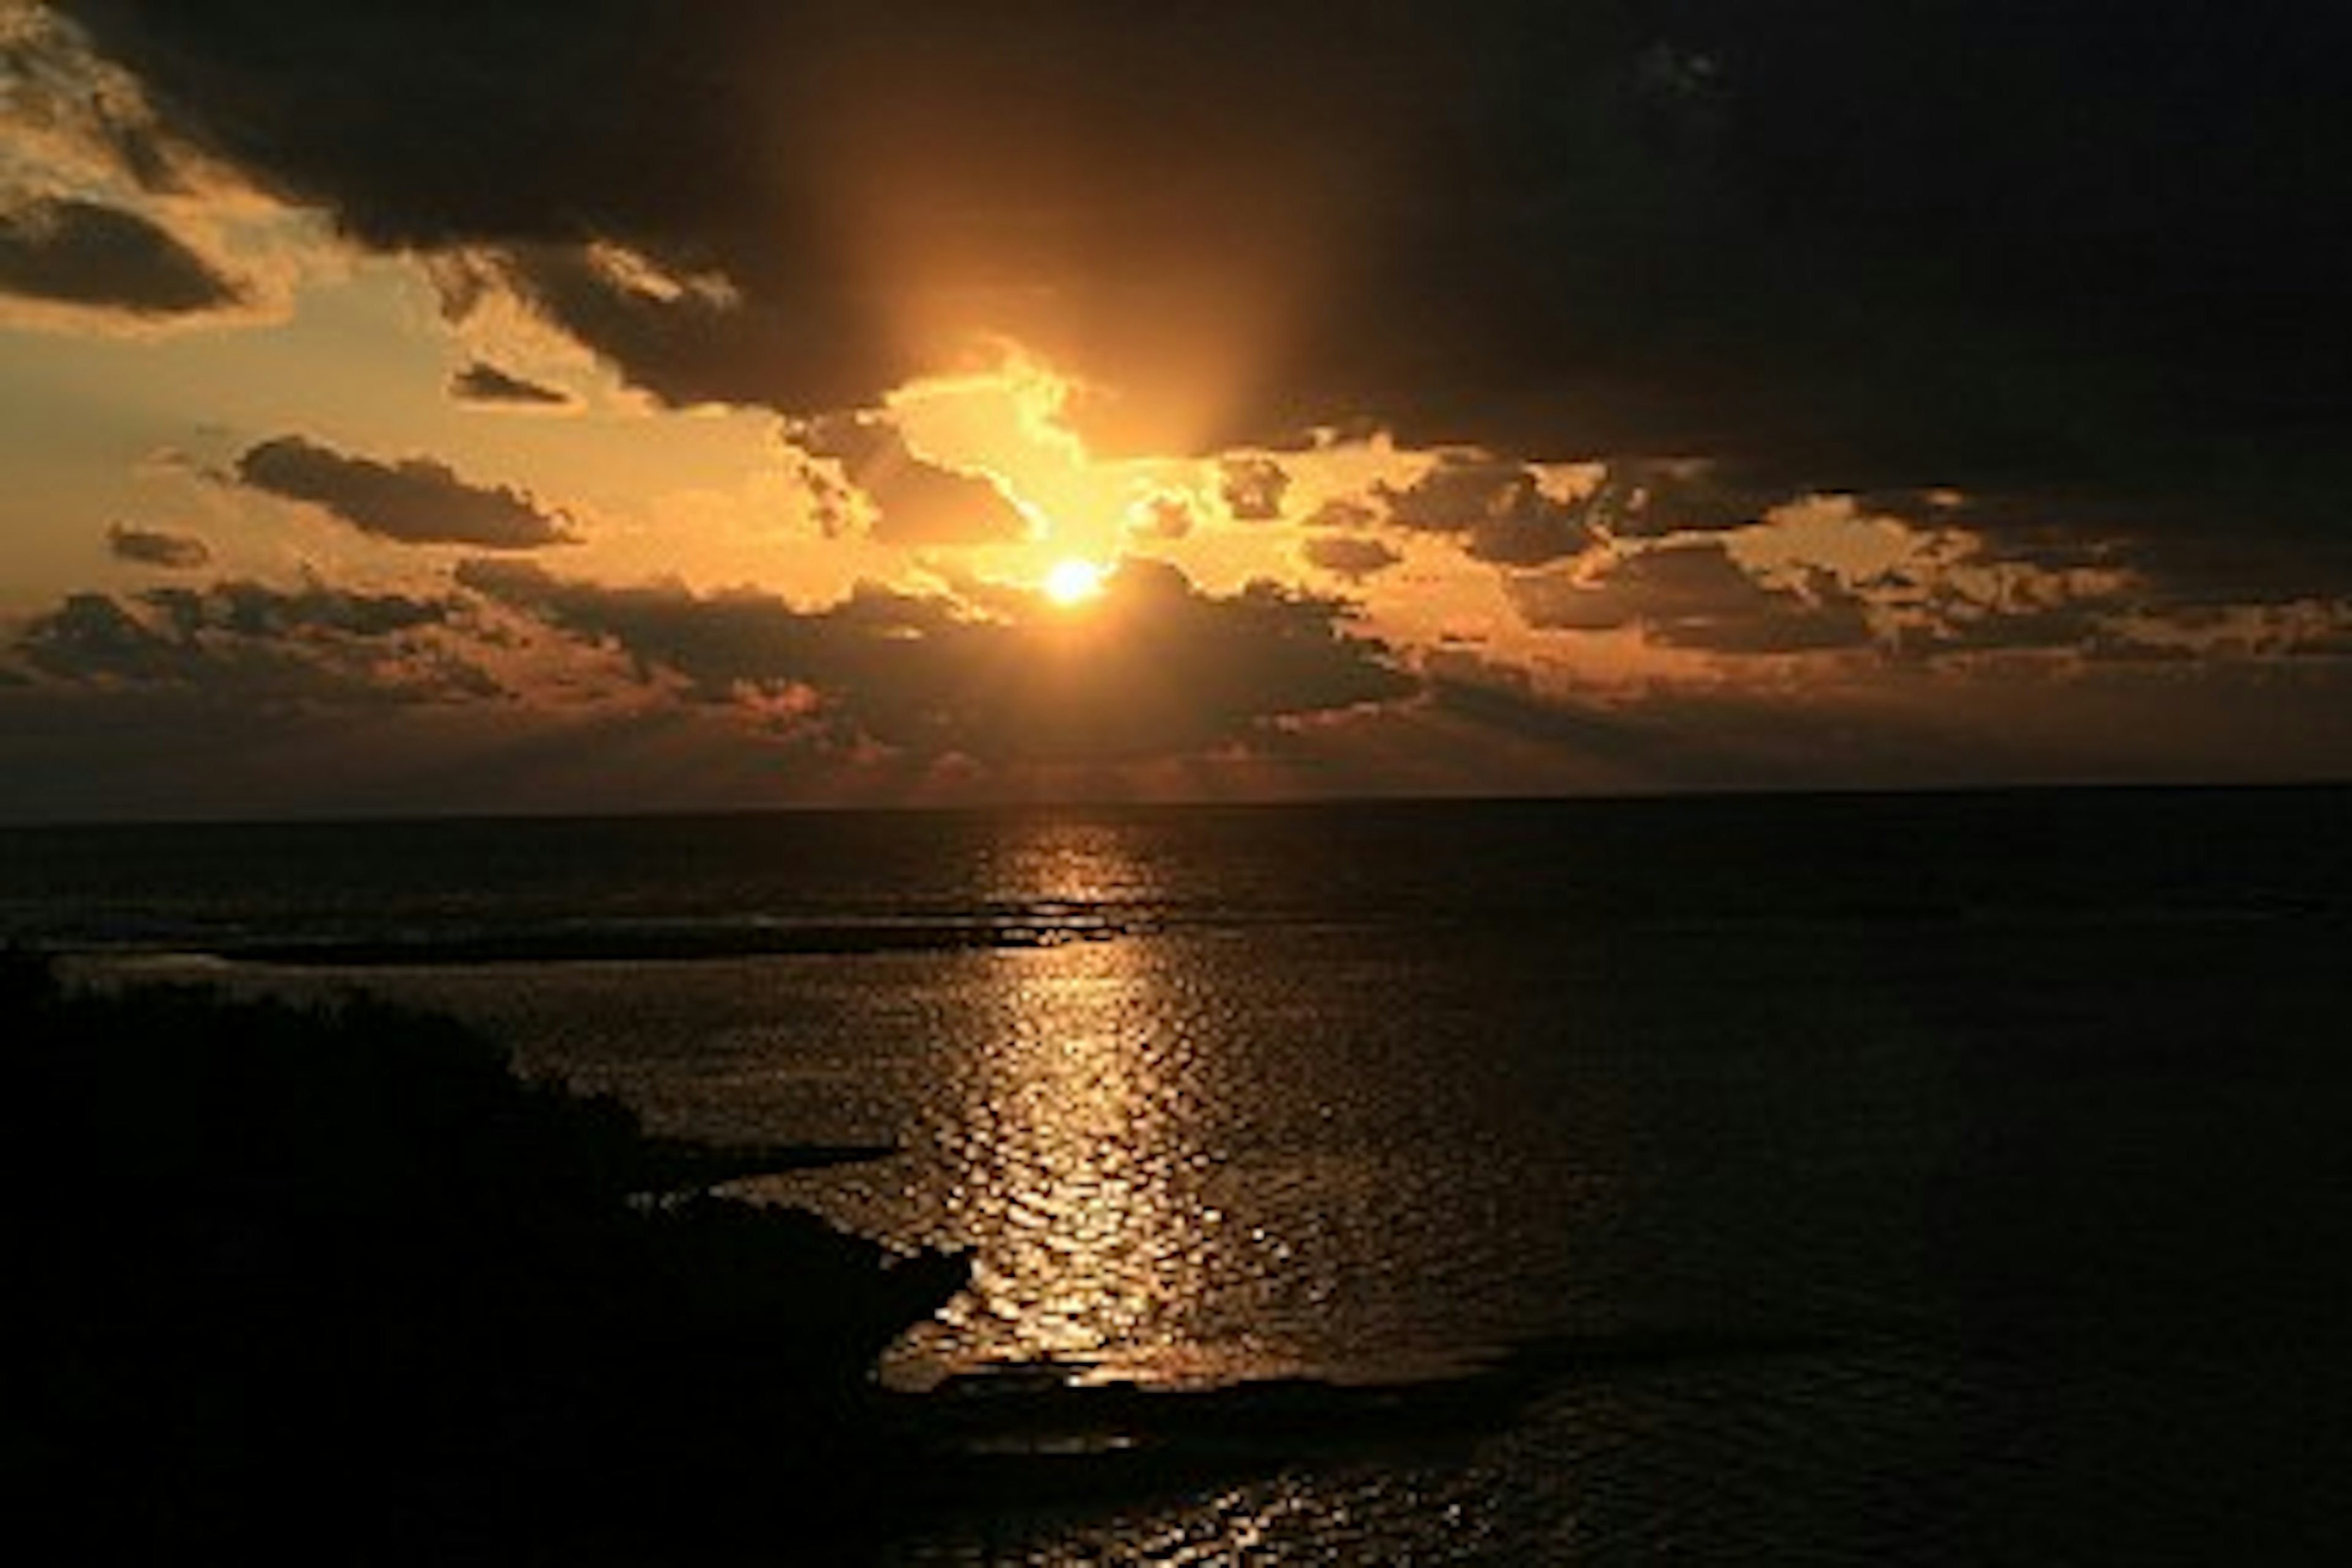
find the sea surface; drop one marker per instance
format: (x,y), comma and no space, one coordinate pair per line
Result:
(1938,1178)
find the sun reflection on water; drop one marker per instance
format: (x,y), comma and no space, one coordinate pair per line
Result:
(1081,1162)
(1083,1142)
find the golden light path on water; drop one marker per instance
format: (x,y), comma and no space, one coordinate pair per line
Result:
(1076,1157)
(1085,1152)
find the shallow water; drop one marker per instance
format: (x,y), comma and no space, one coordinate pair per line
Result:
(1985,1145)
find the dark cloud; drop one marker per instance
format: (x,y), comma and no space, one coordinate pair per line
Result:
(2103,646)
(1629,742)
(1718,740)
(1913,727)
(1649,497)
(52,91)
(1695,596)
(1253,488)
(241,644)
(75,252)
(1990,629)
(916,504)
(1349,556)
(2087,256)
(166,753)
(484,382)
(155,547)
(1506,513)
(1346,511)
(416,501)
(691,336)
(2332,644)
(1155,668)
(1166,517)
(1500,508)
(90,634)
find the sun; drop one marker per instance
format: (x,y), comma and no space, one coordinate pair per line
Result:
(1072,581)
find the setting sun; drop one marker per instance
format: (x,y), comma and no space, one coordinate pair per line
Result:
(1073,582)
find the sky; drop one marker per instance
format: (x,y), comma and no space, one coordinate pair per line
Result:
(615,405)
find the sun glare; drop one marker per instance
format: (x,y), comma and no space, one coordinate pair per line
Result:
(1073,582)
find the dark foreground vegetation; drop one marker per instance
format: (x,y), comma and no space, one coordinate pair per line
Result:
(335,1278)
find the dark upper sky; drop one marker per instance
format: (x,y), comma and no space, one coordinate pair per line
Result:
(1604,395)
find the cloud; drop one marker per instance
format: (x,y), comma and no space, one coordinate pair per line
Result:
(1253,488)
(66,251)
(1347,511)
(1962,628)
(245,644)
(1164,516)
(82,124)
(1651,496)
(1120,184)
(484,382)
(416,501)
(1348,555)
(915,504)
(693,337)
(155,547)
(1695,595)
(1503,510)
(1860,249)
(1912,726)
(1156,668)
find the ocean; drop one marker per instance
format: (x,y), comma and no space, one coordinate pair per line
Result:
(1934,1178)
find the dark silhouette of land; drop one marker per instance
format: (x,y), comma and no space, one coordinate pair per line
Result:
(336,1277)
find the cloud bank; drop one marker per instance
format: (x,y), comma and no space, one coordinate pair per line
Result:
(2087,260)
